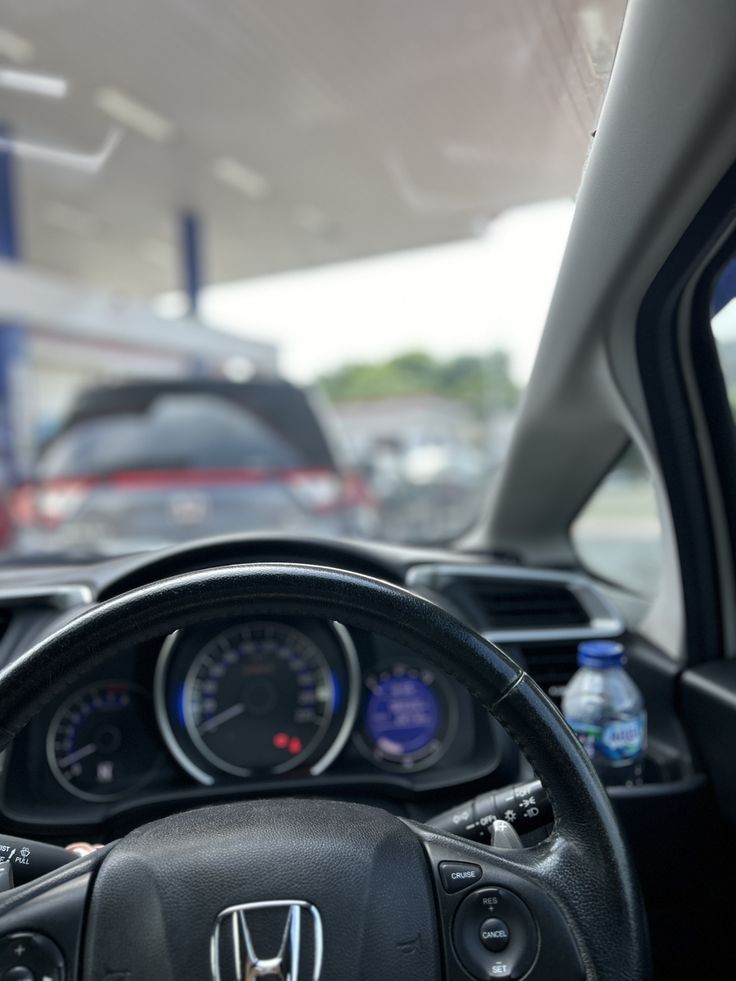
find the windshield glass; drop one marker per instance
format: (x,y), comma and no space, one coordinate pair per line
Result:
(278,267)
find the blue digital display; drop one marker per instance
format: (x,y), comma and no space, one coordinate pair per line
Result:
(402,716)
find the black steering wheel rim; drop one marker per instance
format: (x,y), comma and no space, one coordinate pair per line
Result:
(584,863)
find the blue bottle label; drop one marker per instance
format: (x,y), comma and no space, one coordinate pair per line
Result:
(623,739)
(618,739)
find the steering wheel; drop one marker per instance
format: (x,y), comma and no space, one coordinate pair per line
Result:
(317,890)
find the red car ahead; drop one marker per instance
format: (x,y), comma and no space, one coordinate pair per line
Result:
(142,463)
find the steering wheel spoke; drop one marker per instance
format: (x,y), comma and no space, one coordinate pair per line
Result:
(498,914)
(41,923)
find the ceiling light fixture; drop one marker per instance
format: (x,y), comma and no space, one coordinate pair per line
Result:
(32,83)
(241,178)
(87,163)
(134,115)
(15,48)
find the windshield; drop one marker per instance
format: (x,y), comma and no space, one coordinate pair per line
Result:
(278,267)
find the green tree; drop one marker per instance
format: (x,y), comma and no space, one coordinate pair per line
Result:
(484,383)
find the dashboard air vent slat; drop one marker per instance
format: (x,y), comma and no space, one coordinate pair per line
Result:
(551,665)
(5,617)
(525,604)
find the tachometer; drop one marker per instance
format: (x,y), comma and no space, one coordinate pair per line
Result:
(259,696)
(102,742)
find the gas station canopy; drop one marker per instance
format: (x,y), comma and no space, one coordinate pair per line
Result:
(298,133)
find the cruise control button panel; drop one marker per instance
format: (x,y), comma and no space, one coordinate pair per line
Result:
(30,956)
(494,935)
(459,875)
(496,921)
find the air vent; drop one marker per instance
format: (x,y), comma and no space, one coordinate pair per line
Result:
(54,597)
(521,605)
(29,607)
(515,604)
(5,616)
(551,665)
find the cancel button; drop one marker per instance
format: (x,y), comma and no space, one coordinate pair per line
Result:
(459,875)
(494,934)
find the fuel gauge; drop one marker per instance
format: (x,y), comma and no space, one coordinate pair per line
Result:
(409,717)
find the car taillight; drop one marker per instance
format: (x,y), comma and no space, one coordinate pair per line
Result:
(49,504)
(319,491)
(22,506)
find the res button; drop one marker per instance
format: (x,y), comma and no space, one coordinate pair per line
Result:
(30,957)
(459,875)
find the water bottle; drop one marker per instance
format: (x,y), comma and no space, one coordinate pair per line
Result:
(606,711)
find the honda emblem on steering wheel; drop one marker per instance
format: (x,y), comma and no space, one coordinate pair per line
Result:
(279,939)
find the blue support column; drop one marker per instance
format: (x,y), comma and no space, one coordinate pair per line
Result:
(9,243)
(13,345)
(191,258)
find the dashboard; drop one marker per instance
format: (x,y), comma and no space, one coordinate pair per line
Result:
(263,706)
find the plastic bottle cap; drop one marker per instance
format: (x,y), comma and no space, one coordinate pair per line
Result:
(600,654)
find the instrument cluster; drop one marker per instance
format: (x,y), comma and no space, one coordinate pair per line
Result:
(239,703)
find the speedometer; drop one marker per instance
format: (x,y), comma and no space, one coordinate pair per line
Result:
(257,697)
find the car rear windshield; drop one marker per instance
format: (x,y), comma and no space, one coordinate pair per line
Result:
(179,431)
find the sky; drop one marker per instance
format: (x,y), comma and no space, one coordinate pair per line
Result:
(724,323)
(469,297)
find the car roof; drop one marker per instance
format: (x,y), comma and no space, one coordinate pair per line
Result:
(281,405)
(139,394)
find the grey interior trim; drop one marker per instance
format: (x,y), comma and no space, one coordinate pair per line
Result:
(604,620)
(57,597)
(707,451)
(638,196)
(352,666)
(162,715)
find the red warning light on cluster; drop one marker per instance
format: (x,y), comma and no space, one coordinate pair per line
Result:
(292,744)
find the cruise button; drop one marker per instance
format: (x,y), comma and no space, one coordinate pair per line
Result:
(456,876)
